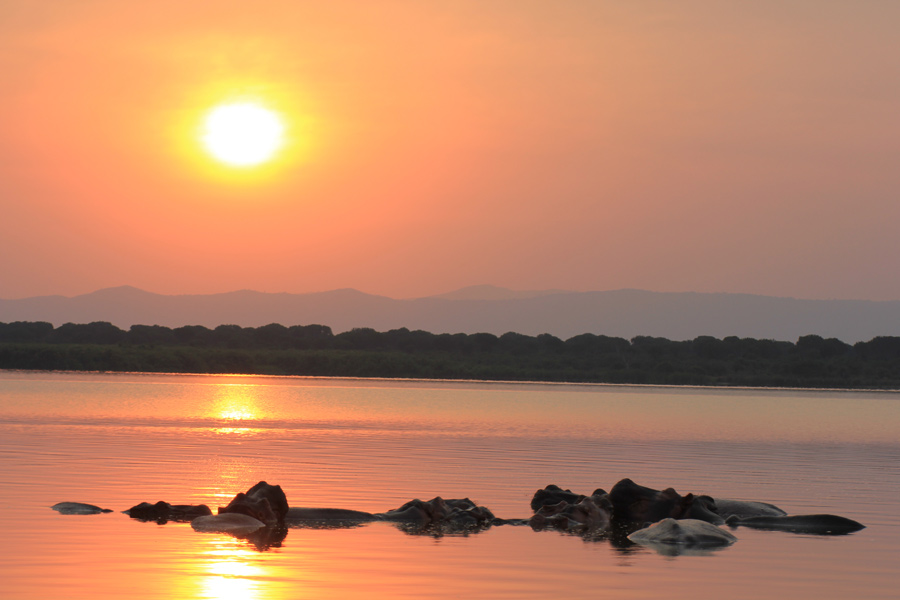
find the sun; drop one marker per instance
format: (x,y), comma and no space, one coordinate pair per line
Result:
(243,134)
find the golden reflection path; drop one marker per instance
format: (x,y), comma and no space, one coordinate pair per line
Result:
(230,568)
(236,408)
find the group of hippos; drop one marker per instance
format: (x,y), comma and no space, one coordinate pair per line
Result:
(628,514)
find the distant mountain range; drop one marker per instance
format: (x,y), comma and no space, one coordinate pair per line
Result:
(620,313)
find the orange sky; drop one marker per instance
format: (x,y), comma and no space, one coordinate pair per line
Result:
(581,144)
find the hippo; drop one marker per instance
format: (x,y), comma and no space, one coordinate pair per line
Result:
(672,536)
(434,517)
(78,508)
(300,515)
(264,502)
(814,524)
(553,494)
(233,523)
(705,508)
(589,513)
(746,508)
(638,504)
(244,527)
(446,516)
(162,512)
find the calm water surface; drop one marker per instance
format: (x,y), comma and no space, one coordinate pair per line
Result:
(116,440)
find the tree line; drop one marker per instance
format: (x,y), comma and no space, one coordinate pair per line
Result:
(274,349)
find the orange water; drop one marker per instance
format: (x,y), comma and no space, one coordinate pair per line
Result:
(116,440)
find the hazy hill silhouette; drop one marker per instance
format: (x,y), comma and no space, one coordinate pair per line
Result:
(619,313)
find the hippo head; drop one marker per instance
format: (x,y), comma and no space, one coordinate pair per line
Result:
(258,508)
(264,502)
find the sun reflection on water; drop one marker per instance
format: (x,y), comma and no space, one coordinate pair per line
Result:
(229,573)
(223,587)
(237,407)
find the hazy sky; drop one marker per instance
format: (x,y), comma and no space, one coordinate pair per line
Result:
(711,146)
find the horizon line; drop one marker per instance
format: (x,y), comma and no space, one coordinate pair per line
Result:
(444,295)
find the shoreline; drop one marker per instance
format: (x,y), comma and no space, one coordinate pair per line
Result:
(476,382)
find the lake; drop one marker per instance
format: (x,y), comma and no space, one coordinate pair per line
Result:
(119,439)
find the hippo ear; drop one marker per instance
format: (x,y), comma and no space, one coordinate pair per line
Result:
(670,494)
(707,502)
(685,505)
(603,502)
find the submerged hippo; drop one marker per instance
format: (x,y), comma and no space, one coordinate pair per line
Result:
(298,515)
(590,513)
(78,508)
(452,515)
(815,524)
(161,512)
(233,523)
(437,516)
(744,508)
(638,504)
(671,536)
(553,494)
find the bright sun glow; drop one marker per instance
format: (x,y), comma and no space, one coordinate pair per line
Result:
(236,405)
(243,134)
